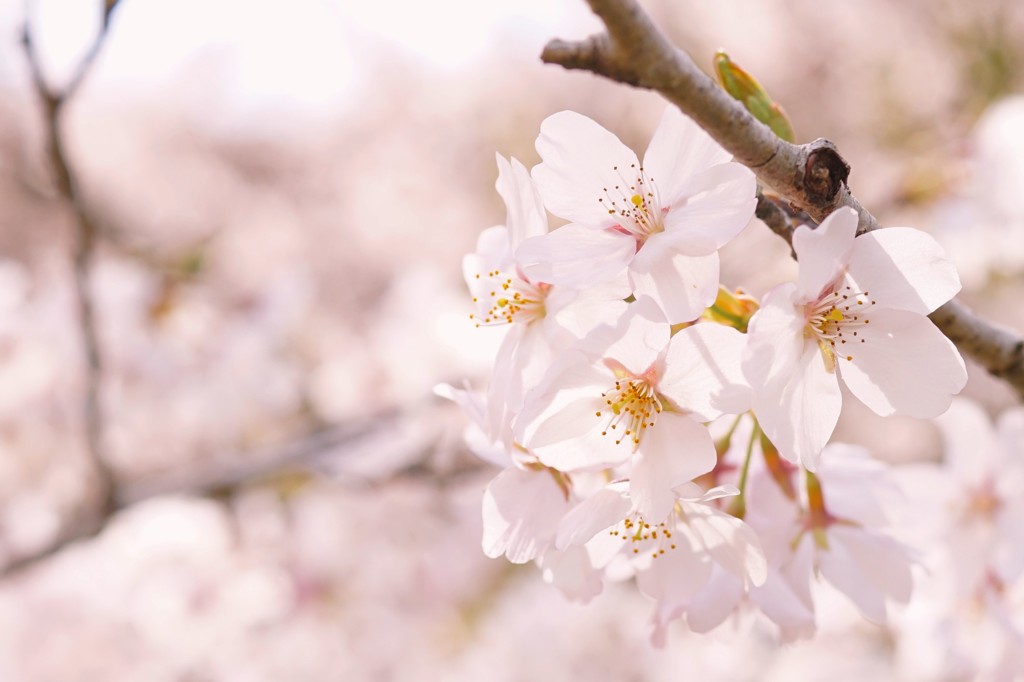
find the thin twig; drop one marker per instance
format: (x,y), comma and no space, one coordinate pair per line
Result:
(812,177)
(83,256)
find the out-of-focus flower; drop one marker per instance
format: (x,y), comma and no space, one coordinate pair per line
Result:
(662,221)
(837,527)
(970,516)
(857,312)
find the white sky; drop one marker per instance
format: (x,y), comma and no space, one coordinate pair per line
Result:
(296,53)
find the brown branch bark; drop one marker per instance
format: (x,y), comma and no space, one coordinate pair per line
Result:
(811,176)
(82,258)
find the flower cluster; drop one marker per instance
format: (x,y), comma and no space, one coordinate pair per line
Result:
(652,424)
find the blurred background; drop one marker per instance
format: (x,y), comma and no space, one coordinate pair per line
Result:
(282,193)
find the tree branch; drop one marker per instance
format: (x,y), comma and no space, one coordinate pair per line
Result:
(810,176)
(83,255)
(314,450)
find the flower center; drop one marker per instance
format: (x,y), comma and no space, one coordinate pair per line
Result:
(512,299)
(636,205)
(643,536)
(836,319)
(632,406)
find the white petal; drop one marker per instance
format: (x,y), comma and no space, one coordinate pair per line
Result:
(900,267)
(521,512)
(474,406)
(720,204)
(904,365)
(576,256)
(781,604)
(703,371)
(525,213)
(638,339)
(679,150)
(578,313)
(571,572)
(504,394)
(797,571)
(492,253)
(600,511)
(824,252)
(678,574)
(712,605)
(579,162)
(972,449)
(798,413)
(675,450)
(684,286)
(559,421)
(840,567)
(732,544)
(882,559)
(775,338)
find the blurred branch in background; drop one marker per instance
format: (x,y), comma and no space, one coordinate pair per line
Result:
(83,256)
(812,176)
(391,446)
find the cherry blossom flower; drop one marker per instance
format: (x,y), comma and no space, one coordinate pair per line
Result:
(662,221)
(635,392)
(538,313)
(673,556)
(858,313)
(970,513)
(838,527)
(524,504)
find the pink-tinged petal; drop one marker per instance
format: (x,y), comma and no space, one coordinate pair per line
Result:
(798,570)
(691,492)
(474,406)
(504,394)
(521,512)
(973,451)
(799,413)
(883,560)
(704,374)
(679,150)
(492,253)
(904,365)
(675,450)
(904,268)
(678,574)
(732,544)
(571,572)
(720,204)
(683,286)
(570,437)
(775,338)
(525,215)
(712,605)
(855,481)
(580,161)
(559,421)
(577,313)
(839,567)
(780,603)
(576,256)
(824,251)
(638,339)
(602,510)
